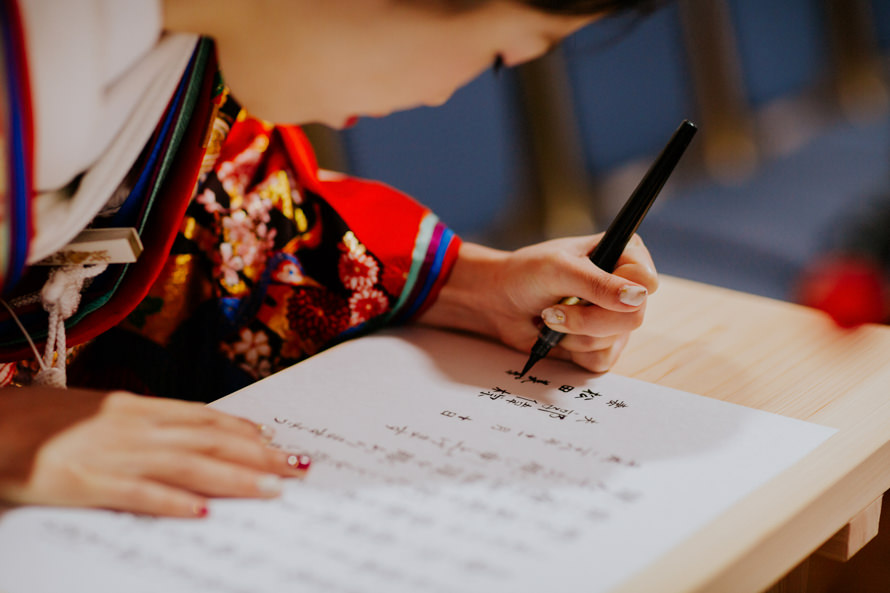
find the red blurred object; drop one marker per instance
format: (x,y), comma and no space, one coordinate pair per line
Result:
(851,289)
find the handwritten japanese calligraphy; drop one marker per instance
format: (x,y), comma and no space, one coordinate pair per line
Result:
(436,469)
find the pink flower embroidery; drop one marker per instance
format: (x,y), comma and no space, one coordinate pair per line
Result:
(237,173)
(366,304)
(248,239)
(254,349)
(257,207)
(230,264)
(208,199)
(358,270)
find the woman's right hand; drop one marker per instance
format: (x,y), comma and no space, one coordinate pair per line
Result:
(132,453)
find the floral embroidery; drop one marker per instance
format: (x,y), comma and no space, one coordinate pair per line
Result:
(248,239)
(274,264)
(366,304)
(208,199)
(358,271)
(237,173)
(253,352)
(230,264)
(316,316)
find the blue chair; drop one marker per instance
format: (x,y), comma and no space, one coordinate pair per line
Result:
(782,46)
(630,85)
(759,236)
(758,233)
(881,15)
(467,160)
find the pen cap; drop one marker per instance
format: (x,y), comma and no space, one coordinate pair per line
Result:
(606,254)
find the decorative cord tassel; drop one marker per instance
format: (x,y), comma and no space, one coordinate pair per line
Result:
(60,297)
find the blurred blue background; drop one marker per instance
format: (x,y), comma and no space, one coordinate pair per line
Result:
(792,103)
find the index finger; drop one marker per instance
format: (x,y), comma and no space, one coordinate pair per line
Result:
(176,412)
(609,291)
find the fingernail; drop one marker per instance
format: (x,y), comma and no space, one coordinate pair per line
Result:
(632,295)
(266,431)
(301,462)
(269,484)
(553,316)
(199,510)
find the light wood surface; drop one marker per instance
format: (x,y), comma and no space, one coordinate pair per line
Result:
(785,359)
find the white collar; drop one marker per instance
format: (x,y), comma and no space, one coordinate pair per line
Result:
(101,76)
(60,216)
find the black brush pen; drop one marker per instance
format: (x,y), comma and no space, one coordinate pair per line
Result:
(605,255)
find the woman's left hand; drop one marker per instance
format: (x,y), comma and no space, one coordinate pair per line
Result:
(508,295)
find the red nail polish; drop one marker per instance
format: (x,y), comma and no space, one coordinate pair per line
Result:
(201,510)
(301,462)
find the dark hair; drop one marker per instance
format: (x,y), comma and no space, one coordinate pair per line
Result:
(566,7)
(581,7)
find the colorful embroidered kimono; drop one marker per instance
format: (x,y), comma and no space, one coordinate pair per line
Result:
(273,261)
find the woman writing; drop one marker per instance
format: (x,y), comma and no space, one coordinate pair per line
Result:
(254,259)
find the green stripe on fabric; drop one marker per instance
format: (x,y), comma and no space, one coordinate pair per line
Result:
(421,245)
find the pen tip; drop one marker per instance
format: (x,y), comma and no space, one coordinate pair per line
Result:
(528,365)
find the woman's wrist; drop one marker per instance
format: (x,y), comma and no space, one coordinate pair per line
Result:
(465,302)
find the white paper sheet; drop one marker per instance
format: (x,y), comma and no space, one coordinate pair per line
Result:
(435,469)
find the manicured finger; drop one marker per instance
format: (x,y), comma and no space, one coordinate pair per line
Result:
(592,321)
(248,451)
(569,272)
(584,280)
(208,476)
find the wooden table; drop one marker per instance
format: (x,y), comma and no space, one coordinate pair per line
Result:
(792,361)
